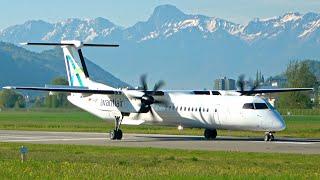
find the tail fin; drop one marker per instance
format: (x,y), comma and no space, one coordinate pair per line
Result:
(77,76)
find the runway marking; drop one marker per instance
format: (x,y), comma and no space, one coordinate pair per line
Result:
(302,143)
(72,139)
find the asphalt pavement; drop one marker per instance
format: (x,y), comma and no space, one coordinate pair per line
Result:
(222,143)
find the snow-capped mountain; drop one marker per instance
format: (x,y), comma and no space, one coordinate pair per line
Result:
(292,25)
(84,29)
(194,49)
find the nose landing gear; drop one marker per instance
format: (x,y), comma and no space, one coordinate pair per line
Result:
(269,136)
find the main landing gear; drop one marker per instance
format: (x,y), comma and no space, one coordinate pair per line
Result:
(116,133)
(269,136)
(210,133)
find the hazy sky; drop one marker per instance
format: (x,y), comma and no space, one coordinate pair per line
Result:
(128,12)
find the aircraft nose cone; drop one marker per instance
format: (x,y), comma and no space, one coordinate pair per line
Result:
(278,122)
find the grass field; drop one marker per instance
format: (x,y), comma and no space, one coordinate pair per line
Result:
(75,120)
(89,162)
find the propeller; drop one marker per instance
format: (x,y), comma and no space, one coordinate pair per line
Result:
(147,99)
(241,84)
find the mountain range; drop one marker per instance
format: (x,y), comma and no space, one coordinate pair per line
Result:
(185,50)
(20,67)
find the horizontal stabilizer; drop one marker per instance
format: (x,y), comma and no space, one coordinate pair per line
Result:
(69,44)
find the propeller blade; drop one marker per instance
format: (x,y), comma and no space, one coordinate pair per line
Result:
(163,102)
(143,81)
(152,113)
(138,115)
(241,83)
(158,85)
(255,86)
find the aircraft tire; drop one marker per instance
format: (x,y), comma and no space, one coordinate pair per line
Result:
(112,135)
(268,137)
(119,134)
(271,137)
(210,133)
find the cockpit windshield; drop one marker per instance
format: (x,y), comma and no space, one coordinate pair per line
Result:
(268,104)
(255,106)
(260,106)
(248,106)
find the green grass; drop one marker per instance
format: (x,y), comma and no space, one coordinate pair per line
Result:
(75,120)
(89,162)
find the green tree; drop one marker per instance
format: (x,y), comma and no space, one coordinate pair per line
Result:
(299,76)
(57,99)
(10,99)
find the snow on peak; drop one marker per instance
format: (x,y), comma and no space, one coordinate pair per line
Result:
(311,27)
(291,17)
(212,25)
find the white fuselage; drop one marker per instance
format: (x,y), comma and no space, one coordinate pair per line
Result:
(187,110)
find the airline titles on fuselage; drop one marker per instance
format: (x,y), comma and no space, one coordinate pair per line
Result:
(112,103)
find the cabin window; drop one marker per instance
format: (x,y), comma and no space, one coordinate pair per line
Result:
(248,106)
(260,106)
(191,109)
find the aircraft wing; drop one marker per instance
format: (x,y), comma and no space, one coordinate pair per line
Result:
(260,91)
(66,89)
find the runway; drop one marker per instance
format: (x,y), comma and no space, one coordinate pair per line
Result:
(243,144)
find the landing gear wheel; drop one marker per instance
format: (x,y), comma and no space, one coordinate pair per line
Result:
(112,135)
(210,133)
(115,134)
(268,137)
(119,134)
(271,138)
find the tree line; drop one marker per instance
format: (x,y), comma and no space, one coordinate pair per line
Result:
(13,99)
(299,75)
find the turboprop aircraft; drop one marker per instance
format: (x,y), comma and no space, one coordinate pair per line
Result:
(208,109)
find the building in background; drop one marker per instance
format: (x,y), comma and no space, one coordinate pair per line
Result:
(277,81)
(225,84)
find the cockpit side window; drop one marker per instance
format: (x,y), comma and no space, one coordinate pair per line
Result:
(248,106)
(260,106)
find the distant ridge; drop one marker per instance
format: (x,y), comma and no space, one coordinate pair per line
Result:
(19,66)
